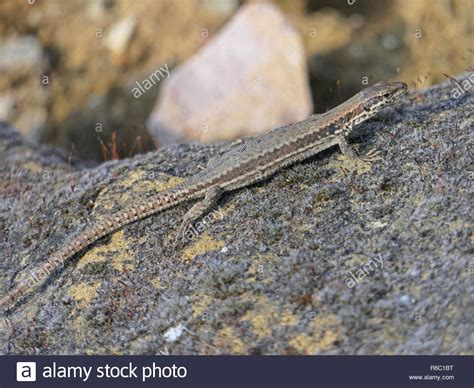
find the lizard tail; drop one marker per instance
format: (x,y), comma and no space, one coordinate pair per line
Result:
(112,223)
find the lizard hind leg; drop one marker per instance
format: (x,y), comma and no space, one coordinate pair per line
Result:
(199,209)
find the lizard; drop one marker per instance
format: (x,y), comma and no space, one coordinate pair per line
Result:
(253,160)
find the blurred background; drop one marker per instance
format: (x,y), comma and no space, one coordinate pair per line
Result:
(107,79)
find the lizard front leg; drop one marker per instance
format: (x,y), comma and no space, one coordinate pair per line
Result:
(348,151)
(199,209)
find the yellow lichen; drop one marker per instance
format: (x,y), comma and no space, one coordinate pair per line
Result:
(288,319)
(169,183)
(118,246)
(205,243)
(33,167)
(257,272)
(138,181)
(122,254)
(83,293)
(322,333)
(227,209)
(156,283)
(228,342)
(200,305)
(358,165)
(260,323)
(79,325)
(265,315)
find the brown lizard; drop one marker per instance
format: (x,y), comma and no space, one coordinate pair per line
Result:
(253,160)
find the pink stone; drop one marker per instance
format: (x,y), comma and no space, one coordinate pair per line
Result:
(249,78)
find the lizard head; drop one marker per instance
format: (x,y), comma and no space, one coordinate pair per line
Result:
(382,93)
(371,100)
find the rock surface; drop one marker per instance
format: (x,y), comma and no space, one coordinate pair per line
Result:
(250,78)
(270,276)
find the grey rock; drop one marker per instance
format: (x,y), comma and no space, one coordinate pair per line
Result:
(125,293)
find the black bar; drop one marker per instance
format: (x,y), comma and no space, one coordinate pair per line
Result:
(239,371)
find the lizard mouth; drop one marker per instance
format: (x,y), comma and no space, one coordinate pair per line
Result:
(392,92)
(389,97)
(400,88)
